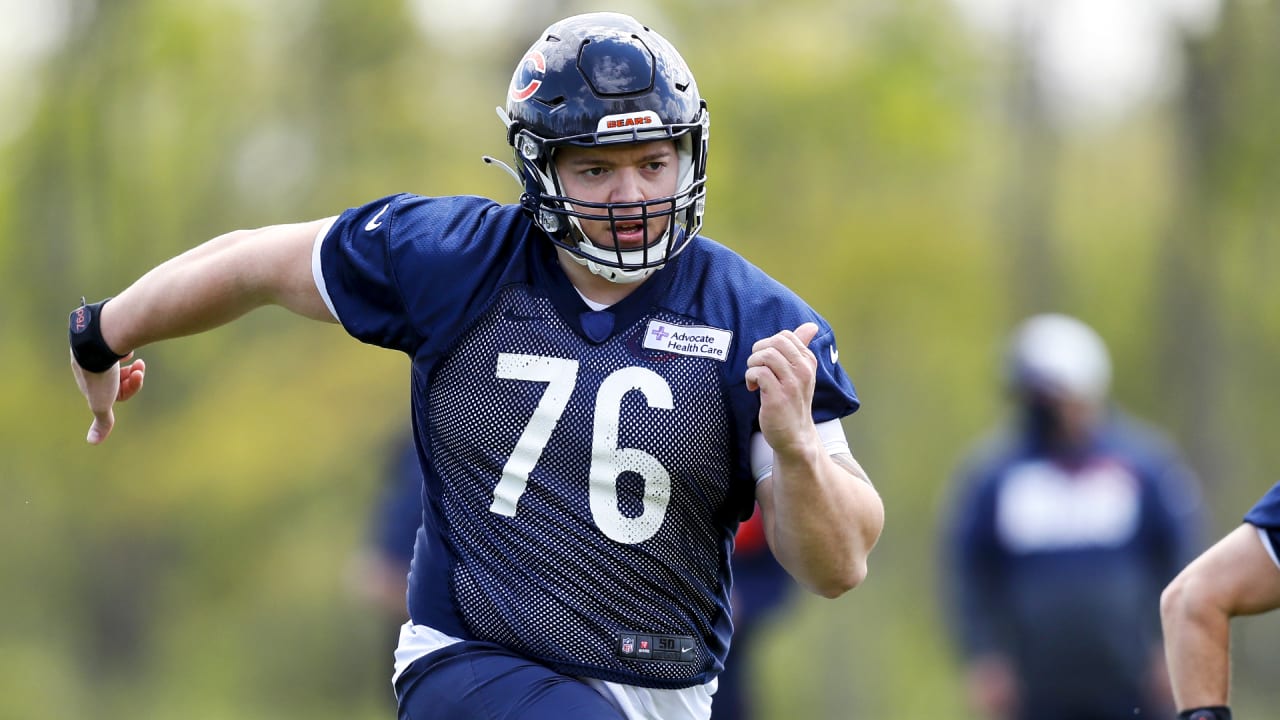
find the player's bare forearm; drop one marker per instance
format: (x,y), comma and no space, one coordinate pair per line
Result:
(202,288)
(1234,577)
(1197,648)
(822,517)
(215,283)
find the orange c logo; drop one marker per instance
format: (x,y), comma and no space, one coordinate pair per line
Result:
(531,82)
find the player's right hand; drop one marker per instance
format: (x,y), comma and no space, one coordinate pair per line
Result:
(102,390)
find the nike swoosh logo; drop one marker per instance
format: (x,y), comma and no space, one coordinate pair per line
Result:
(686,650)
(835,355)
(376,222)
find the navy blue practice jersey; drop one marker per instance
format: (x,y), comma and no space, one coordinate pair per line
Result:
(1265,515)
(1266,512)
(584,471)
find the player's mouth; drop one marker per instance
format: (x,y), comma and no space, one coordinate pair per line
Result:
(630,233)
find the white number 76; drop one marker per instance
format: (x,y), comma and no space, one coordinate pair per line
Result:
(608,461)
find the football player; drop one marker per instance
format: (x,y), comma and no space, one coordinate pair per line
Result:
(1067,524)
(1239,575)
(599,393)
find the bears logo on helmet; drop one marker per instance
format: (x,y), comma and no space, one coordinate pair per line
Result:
(527,78)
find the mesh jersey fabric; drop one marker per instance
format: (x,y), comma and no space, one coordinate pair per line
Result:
(584,470)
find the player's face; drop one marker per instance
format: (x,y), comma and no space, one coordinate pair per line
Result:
(1062,418)
(629,173)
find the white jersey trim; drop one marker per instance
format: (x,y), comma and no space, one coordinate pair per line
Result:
(833,439)
(642,703)
(636,703)
(316,273)
(1266,543)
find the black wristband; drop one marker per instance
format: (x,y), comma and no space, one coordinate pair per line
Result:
(85,334)
(1214,712)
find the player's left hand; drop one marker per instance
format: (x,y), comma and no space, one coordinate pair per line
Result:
(102,390)
(784,370)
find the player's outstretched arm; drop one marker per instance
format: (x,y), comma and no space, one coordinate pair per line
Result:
(821,514)
(205,287)
(1234,577)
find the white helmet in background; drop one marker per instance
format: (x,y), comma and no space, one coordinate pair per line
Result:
(1059,354)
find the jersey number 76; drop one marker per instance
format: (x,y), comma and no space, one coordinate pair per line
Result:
(608,461)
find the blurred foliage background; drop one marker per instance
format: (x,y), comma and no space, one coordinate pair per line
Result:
(924,172)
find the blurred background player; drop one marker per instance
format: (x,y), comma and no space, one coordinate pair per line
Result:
(761,589)
(1067,524)
(1240,575)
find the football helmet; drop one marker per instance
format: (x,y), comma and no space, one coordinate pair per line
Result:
(1059,354)
(599,79)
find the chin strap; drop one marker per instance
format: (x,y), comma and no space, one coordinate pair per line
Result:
(613,274)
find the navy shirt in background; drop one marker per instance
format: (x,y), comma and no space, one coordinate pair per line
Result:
(1058,565)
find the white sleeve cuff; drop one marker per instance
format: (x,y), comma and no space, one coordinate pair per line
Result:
(316,273)
(1266,543)
(833,439)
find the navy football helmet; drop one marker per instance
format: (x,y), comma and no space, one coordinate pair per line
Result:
(598,79)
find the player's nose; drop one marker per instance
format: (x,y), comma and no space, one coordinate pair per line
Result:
(628,186)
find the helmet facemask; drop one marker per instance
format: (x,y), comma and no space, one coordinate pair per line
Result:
(559,214)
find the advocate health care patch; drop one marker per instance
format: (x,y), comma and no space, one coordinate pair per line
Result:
(695,340)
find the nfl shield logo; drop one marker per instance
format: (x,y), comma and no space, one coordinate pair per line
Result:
(628,644)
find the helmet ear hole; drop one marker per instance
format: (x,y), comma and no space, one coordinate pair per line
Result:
(549,221)
(528,148)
